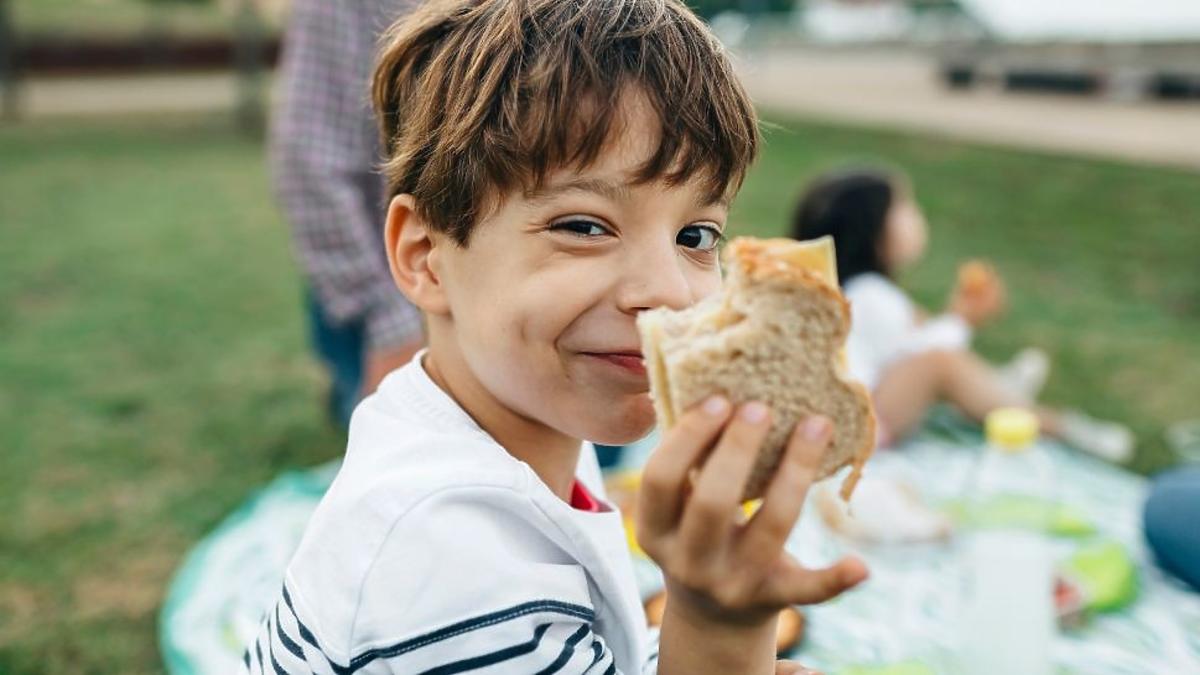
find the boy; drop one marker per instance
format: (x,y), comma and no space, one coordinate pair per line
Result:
(556,168)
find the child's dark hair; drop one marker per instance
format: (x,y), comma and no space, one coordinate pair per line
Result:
(850,205)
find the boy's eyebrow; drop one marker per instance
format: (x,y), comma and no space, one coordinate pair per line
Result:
(605,188)
(616,192)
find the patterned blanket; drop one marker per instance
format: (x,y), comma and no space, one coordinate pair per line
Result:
(904,615)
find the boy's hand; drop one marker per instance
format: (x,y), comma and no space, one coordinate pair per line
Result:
(727,579)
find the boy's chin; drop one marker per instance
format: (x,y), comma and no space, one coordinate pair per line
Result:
(621,439)
(631,424)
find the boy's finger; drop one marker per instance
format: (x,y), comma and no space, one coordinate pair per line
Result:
(713,506)
(796,585)
(770,527)
(664,479)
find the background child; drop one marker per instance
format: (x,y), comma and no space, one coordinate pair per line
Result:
(911,360)
(555,169)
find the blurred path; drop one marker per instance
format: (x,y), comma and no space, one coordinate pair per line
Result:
(888,89)
(901,90)
(120,95)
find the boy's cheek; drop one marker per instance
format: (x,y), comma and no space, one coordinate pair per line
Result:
(707,285)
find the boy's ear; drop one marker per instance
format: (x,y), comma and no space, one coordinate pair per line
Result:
(412,252)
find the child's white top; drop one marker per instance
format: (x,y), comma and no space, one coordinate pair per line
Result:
(435,551)
(885,326)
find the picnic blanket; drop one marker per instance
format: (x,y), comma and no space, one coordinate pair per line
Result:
(905,614)
(909,610)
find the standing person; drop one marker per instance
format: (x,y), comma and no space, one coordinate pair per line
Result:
(911,360)
(324,154)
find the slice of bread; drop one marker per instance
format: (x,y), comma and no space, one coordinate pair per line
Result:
(774,335)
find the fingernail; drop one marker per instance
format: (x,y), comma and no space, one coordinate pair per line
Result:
(754,412)
(816,428)
(716,406)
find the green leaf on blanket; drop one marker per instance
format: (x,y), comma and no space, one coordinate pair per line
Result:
(1022,512)
(907,668)
(1106,574)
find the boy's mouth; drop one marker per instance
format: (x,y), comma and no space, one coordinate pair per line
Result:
(630,361)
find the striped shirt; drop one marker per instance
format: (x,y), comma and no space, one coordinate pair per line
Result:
(325,153)
(437,552)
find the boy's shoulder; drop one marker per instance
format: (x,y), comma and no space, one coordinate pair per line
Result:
(410,438)
(410,448)
(431,523)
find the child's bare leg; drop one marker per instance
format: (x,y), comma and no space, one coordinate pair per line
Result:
(961,378)
(964,380)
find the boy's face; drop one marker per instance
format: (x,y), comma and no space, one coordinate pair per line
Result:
(542,302)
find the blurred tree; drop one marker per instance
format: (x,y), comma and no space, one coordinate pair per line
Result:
(248,56)
(8,64)
(248,59)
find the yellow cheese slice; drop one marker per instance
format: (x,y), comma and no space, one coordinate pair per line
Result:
(816,255)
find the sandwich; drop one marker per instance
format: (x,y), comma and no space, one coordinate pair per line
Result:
(776,335)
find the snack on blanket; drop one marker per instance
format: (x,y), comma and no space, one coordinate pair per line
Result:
(774,335)
(883,511)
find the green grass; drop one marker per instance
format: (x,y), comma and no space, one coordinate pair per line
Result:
(153,371)
(153,368)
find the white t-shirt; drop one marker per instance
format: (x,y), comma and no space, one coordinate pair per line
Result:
(436,551)
(885,326)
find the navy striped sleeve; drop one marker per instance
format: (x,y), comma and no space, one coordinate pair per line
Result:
(540,636)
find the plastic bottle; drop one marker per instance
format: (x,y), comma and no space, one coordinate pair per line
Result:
(1009,624)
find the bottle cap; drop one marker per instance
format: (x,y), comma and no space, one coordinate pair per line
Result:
(1011,429)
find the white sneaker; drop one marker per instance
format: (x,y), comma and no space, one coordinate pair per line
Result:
(1026,373)
(1107,440)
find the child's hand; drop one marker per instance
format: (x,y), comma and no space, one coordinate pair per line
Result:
(979,294)
(725,576)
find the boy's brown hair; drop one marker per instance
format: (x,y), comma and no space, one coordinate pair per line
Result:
(479,97)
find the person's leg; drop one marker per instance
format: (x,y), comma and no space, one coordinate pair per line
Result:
(341,350)
(910,386)
(1026,372)
(969,383)
(1170,523)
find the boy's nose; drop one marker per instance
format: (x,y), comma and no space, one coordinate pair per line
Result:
(654,280)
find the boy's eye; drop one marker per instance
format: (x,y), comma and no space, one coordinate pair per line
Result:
(699,237)
(583,228)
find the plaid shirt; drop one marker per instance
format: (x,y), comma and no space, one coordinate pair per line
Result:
(324,153)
